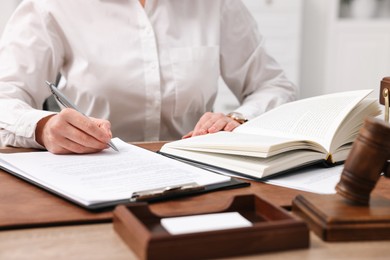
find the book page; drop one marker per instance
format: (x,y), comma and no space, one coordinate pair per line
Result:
(247,165)
(108,175)
(314,119)
(241,144)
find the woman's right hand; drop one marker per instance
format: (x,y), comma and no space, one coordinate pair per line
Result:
(71,132)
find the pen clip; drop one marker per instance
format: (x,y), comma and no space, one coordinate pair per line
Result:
(151,194)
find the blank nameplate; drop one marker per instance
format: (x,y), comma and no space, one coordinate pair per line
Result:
(202,223)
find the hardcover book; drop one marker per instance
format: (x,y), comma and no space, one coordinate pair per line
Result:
(299,133)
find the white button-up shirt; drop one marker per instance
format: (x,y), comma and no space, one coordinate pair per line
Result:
(152,72)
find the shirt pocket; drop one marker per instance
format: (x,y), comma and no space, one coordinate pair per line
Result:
(195,73)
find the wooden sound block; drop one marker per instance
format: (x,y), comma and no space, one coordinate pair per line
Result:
(333,218)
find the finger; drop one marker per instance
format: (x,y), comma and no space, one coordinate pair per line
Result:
(79,141)
(86,125)
(217,122)
(57,143)
(230,126)
(69,147)
(103,124)
(68,126)
(73,147)
(199,129)
(53,132)
(62,137)
(52,136)
(188,135)
(205,122)
(224,123)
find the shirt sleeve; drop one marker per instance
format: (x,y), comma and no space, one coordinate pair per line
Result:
(254,77)
(30,54)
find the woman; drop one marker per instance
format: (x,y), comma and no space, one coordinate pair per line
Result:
(140,71)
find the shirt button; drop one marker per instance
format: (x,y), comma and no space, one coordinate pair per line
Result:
(153,67)
(148,31)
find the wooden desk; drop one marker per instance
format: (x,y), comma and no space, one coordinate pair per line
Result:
(99,241)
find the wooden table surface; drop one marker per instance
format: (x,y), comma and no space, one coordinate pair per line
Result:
(99,240)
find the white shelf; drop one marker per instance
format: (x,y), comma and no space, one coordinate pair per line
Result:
(366,24)
(364,9)
(342,54)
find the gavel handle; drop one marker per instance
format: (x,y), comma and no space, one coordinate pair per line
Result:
(386,169)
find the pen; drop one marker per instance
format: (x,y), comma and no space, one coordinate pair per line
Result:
(67,103)
(155,194)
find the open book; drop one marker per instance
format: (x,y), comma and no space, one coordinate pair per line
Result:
(307,131)
(109,177)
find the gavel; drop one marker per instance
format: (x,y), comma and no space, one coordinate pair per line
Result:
(369,156)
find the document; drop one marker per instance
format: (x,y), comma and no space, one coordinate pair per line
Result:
(107,178)
(316,178)
(312,179)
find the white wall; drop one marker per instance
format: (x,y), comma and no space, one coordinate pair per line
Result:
(280,21)
(346,46)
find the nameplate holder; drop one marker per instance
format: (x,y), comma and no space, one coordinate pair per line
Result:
(273,229)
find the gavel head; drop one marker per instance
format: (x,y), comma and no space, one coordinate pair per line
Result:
(366,161)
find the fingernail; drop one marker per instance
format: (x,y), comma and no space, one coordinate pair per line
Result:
(212,130)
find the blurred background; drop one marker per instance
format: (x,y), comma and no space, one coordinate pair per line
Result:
(324,46)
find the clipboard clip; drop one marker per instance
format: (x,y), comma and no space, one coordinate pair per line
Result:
(165,192)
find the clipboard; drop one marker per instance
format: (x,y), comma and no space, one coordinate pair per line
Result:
(154,195)
(69,183)
(272,230)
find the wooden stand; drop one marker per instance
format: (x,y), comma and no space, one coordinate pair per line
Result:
(333,218)
(353,214)
(273,229)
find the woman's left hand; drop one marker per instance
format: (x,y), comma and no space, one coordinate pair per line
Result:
(212,123)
